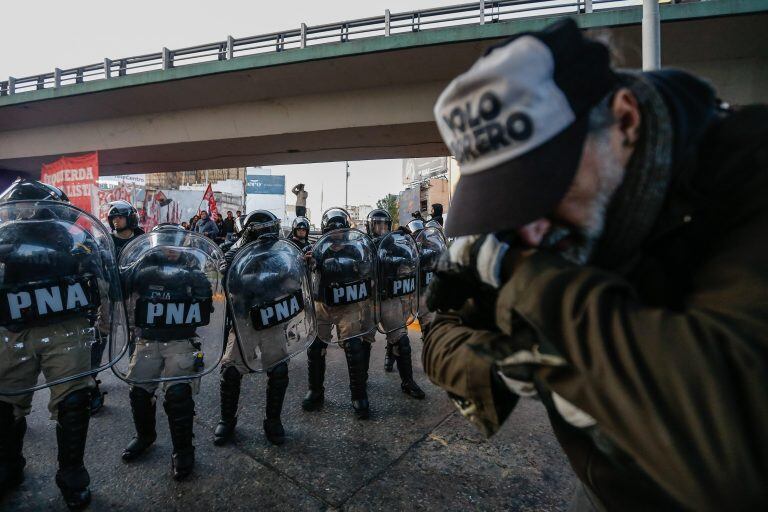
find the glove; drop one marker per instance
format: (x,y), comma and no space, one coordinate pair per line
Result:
(473,266)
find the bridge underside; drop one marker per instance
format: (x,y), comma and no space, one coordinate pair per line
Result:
(370,105)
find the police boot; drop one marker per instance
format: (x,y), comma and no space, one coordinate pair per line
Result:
(143,409)
(277,384)
(389,359)
(402,353)
(358,353)
(316,367)
(12,462)
(180,408)
(71,432)
(229,394)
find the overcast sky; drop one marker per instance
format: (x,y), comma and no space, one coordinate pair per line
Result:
(37,36)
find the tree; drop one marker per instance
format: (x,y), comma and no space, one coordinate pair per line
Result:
(389,203)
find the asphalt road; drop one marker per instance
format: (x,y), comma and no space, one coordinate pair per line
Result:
(411,455)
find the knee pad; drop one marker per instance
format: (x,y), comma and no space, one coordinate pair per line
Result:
(6,413)
(231,374)
(355,345)
(316,349)
(402,347)
(278,376)
(137,393)
(76,400)
(279,371)
(178,393)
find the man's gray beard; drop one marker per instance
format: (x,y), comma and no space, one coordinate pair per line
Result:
(585,238)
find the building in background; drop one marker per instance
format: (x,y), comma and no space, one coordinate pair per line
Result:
(359,213)
(428,181)
(265,191)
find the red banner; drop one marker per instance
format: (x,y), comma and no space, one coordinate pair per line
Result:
(77,176)
(122,191)
(208,196)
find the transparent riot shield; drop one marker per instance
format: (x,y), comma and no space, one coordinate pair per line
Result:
(62,316)
(176,307)
(431,244)
(270,302)
(398,264)
(343,270)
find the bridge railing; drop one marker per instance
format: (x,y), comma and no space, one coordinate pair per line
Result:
(481,12)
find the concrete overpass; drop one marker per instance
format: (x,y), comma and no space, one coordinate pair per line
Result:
(364,98)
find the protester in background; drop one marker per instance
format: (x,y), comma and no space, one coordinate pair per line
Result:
(193,222)
(610,259)
(185,225)
(238,214)
(229,225)
(437,213)
(220,237)
(301,200)
(206,226)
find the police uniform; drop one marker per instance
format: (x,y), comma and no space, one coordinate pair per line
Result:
(166,351)
(393,311)
(54,285)
(235,363)
(56,347)
(347,319)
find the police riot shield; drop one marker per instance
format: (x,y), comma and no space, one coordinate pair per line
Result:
(398,263)
(62,316)
(343,270)
(176,307)
(270,302)
(431,245)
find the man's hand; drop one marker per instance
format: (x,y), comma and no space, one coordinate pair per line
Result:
(473,266)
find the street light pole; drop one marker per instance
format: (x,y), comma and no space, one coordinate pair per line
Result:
(346,188)
(651,36)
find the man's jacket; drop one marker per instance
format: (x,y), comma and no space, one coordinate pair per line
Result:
(207,227)
(667,357)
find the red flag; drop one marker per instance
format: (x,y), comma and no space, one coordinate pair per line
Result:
(77,177)
(208,196)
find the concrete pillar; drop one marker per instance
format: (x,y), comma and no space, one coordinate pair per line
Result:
(230,47)
(651,35)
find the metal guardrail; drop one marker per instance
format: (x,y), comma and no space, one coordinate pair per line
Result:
(482,12)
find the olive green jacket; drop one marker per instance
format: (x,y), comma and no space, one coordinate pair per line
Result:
(668,356)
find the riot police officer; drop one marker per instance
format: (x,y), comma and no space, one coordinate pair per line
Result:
(124,221)
(356,349)
(377,224)
(254,226)
(41,247)
(300,232)
(167,274)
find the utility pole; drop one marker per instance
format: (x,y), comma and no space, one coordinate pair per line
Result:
(346,188)
(651,35)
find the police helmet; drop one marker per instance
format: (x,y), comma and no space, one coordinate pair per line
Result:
(24,189)
(257,223)
(300,223)
(335,218)
(415,226)
(125,209)
(434,224)
(168,226)
(377,215)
